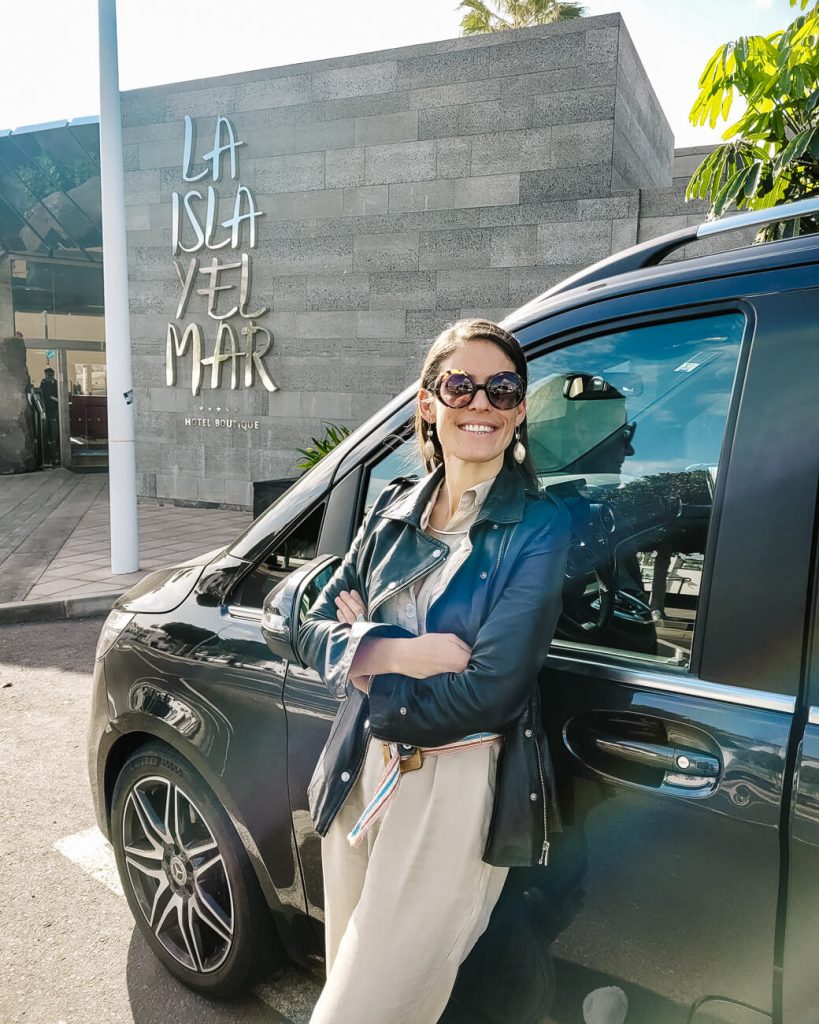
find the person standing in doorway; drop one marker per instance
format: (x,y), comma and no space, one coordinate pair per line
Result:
(436,776)
(48,390)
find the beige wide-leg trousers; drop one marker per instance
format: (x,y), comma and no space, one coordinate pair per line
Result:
(403,910)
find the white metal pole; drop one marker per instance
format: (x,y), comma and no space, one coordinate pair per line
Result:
(121,450)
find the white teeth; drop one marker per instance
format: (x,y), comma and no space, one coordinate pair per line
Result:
(474,428)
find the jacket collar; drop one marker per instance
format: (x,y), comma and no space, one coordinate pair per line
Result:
(503,504)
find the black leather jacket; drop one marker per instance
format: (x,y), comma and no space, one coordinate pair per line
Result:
(504,601)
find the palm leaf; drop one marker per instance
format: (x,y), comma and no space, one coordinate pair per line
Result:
(334,435)
(511,14)
(795,148)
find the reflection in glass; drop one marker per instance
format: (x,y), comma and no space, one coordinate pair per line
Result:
(627,428)
(298,547)
(50,189)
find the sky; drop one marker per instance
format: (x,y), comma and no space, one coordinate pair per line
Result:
(50,54)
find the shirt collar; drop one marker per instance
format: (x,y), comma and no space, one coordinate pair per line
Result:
(504,504)
(471,499)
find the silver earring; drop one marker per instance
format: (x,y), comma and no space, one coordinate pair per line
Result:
(518,452)
(428,447)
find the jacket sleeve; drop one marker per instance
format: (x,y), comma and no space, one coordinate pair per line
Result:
(324,643)
(509,650)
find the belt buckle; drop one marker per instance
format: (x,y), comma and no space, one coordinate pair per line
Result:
(412,762)
(406,763)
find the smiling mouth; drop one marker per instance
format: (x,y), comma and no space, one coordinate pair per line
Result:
(484,428)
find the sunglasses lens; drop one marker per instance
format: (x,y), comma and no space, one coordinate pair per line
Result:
(505,390)
(457,390)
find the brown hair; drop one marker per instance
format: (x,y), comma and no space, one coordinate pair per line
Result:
(443,347)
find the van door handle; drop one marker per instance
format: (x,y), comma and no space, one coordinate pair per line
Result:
(680,760)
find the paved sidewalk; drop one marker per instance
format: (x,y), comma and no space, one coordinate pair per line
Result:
(55,536)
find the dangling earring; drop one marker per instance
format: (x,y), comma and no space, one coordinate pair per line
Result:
(518,452)
(428,447)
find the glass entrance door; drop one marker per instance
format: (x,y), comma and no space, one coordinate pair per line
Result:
(71,382)
(87,409)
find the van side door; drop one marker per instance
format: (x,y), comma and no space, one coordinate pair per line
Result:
(668,695)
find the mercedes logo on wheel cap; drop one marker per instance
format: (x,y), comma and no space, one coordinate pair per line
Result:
(178,871)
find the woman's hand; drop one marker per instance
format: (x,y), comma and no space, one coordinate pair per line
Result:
(431,653)
(416,657)
(349,606)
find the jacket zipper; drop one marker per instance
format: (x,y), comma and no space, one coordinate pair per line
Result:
(360,769)
(370,611)
(500,550)
(544,853)
(497,564)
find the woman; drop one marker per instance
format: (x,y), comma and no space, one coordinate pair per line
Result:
(436,776)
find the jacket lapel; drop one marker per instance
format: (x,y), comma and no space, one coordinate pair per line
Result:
(410,504)
(504,503)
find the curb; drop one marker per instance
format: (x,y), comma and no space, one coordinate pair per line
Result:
(66,608)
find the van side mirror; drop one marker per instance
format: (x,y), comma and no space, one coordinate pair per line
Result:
(288,603)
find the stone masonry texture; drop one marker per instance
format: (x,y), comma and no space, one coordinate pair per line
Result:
(399,191)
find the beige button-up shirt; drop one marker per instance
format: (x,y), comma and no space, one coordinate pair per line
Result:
(408,607)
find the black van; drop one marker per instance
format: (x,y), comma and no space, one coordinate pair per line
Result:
(674,406)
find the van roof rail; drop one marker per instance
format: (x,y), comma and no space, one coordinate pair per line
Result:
(652,252)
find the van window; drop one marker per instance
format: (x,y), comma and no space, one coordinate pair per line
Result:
(298,547)
(627,428)
(403,460)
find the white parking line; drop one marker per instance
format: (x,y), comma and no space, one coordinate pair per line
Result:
(92,852)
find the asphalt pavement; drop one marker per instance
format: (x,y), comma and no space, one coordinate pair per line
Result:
(70,952)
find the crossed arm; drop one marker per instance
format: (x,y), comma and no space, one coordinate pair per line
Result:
(416,657)
(492,689)
(346,652)
(433,689)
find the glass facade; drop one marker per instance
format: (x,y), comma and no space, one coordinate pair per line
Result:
(57,288)
(51,238)
(50,192)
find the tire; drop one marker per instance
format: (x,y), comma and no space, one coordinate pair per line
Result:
(187,877)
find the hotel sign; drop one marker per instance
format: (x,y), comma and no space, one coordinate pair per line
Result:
(225,279)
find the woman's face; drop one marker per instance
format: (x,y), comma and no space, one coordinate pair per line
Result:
(480,359)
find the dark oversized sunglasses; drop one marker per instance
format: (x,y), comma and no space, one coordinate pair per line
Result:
(455,388)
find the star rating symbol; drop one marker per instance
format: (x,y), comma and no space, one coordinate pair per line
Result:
(210,408)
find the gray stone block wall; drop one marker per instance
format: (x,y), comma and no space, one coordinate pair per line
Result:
(400,190)
(666,210)
(643,150)
(686,161)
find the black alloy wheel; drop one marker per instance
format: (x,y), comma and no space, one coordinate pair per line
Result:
(187,877)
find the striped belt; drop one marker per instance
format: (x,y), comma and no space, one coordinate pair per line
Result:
(396,765)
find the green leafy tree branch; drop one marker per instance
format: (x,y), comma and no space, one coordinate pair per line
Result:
(772,155)
(502,15)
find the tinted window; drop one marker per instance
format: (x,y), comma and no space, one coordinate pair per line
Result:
(628,429)
(298,547)
(403,460)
